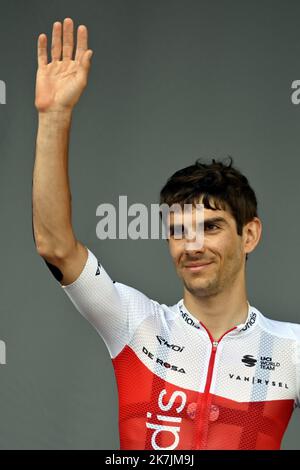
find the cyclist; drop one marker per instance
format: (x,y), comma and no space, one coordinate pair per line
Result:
(210,371)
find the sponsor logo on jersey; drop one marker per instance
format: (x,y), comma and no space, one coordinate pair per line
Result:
(249,361)
(266,362)
(162,362)
(98,269)
(189,320)
(250,322)
(255,380)
(166,424)
(174,347)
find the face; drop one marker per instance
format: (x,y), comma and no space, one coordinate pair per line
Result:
(222,254)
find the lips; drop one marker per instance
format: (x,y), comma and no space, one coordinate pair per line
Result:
(196,265)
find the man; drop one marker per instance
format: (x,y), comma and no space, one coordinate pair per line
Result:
(211,371)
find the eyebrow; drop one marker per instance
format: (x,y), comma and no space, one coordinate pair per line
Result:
(216,219)
(212,220)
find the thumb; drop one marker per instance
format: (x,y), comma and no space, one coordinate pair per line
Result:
(86,59)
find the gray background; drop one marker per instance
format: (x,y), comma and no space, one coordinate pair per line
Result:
(171,81)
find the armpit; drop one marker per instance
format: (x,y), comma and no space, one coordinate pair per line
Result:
(55,271)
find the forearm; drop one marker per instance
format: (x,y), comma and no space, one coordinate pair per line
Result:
(51,204)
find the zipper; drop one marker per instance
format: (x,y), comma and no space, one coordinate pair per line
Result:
(203,411)
(211,366)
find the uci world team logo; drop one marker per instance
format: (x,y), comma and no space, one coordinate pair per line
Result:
(266,362)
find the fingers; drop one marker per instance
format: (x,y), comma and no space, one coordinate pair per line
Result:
(42,50)
(67,39)
(56,41)
(63,44)
(82,41)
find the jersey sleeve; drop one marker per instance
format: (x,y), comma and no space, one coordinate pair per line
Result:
(114,309)
(298,372)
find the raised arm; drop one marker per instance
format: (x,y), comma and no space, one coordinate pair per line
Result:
(59,85)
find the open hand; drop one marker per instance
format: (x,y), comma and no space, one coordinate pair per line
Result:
(60,83)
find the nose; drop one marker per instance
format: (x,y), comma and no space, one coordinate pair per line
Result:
(194,246)
(194,238)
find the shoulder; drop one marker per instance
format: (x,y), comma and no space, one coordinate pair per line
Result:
(280,328)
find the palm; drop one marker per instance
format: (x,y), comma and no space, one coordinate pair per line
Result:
(60,83)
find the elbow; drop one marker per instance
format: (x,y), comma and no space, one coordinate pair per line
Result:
(51,253)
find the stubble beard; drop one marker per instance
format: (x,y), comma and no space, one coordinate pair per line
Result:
(213,284)
(198,286)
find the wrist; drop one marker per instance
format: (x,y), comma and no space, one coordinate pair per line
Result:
(59,116)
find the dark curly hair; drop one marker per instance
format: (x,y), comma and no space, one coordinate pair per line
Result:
(223,185)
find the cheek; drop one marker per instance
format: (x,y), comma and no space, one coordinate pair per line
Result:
(220,249)
(230,250)
(175,250)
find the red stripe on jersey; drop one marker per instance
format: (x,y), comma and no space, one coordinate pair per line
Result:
(156,414)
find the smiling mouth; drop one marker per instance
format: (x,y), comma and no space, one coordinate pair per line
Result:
(198,267)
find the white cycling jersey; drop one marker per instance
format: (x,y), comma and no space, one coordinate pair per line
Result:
(180,389)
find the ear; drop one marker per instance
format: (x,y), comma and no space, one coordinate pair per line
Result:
(252,232)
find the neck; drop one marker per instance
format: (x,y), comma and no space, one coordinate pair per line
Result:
(218,313)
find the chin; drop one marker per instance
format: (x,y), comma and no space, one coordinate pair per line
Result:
(201,284)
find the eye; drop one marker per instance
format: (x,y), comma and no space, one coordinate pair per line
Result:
(211,225)
(179,230)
